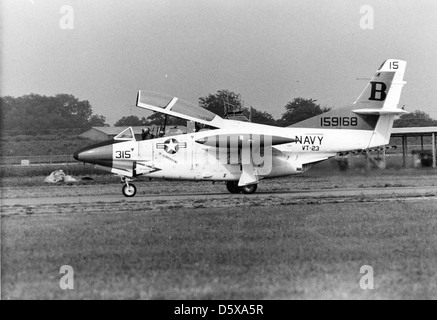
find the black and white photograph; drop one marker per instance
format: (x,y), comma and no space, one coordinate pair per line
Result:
(218,155)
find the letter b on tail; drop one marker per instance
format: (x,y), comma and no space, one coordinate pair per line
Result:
(378,91)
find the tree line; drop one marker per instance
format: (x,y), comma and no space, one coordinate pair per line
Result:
(64,111)
(38,113)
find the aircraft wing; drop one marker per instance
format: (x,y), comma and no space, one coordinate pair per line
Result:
(240,142)
(176,107)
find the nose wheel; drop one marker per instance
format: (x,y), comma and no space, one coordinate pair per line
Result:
(129,189)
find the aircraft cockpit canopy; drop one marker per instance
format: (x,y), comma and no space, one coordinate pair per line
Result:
(125,135)
(175,105)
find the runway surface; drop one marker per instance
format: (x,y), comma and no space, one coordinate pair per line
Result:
(184,199)
(305,239)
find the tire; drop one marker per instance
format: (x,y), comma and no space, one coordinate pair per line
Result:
(232,187)
(129,191)
(249,189)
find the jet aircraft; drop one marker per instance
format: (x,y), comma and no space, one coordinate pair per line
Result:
(241,154)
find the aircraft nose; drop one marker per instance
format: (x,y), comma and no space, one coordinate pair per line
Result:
(95,154)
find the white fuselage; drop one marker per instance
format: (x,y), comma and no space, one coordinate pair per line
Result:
(181,157)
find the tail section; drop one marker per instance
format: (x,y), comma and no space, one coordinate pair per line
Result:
(384,89)
(375,108)
(383,96)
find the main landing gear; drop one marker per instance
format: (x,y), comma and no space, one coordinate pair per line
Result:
(233,187)
(129,189)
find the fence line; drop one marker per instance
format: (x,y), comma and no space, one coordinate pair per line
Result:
(28,160)
(15,132)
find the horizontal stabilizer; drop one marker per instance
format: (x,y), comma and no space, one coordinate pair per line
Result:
(380,112)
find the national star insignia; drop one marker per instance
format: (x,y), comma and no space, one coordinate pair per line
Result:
(171,146)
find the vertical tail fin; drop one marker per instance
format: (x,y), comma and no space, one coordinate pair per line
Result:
(381,98)
(384,89)
(373,110)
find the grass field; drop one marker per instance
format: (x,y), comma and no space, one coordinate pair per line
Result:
(279,252)
(256,247)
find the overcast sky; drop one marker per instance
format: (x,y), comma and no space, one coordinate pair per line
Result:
(269,51)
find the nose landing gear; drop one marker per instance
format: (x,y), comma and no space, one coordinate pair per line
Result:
(129,189)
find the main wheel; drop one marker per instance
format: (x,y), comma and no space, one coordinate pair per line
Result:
(129,190)
(233,187)
(249,189)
